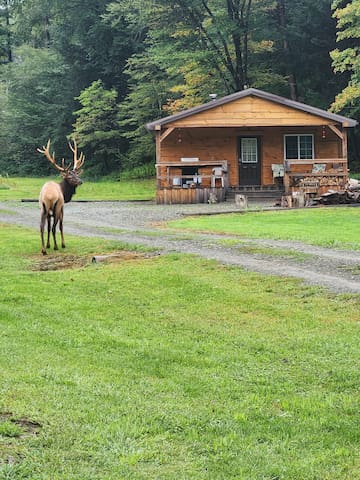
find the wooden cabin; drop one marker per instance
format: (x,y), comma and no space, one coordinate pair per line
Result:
(250,141)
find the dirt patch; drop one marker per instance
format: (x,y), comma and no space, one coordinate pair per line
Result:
(13,432)
(72,262)
(58,262)
(26,427)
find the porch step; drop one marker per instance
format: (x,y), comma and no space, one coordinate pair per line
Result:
(255,192)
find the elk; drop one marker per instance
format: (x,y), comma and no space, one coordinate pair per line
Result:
(54,195)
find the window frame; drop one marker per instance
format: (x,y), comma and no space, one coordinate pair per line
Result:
(299,135)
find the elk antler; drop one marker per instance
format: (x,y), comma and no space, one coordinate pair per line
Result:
(51,158)
(78,162)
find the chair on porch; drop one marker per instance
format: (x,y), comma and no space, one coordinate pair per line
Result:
(217,173)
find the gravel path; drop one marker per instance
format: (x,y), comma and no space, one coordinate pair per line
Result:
(142,223)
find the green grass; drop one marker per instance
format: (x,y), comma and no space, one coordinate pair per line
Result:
(172,367)
(9,429)
(19,188)
(335,227)
(251,249)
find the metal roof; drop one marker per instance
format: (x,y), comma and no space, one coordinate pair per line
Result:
(256,93)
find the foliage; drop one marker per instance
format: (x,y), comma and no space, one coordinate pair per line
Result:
(346,62)
(155,58)
(143,103)
(348,59)
(96,128)
(32,22)
(143,171)
(32,93)
(304,35)
(94,49)
(6,54)
(193,49)
(171,367)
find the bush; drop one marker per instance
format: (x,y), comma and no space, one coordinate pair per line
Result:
(140,172)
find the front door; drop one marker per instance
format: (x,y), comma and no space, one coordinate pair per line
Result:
(249,161)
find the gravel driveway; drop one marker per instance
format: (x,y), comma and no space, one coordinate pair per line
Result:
(140,223)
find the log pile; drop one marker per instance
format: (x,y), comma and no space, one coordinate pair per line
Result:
(350,194)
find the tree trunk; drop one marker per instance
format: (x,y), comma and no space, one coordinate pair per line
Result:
(290,74)
(47,31)
(239,15)
(9,53)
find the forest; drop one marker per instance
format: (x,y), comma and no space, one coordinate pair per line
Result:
(99,70)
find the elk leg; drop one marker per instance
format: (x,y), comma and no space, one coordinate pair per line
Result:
(42,225)
(54,232)
(48,231)
(61,228)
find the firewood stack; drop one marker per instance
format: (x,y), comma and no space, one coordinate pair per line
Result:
(350,194)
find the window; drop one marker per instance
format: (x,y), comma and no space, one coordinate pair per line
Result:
(249,153)
(187,173)
(299,147)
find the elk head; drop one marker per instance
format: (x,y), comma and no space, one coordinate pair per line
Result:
(69,173)
(53,195)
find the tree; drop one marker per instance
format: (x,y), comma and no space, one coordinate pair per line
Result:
(93,47)
(218,28)
(286,49)
(154,57)
(96,128)
(38,96)
(347,59)
(189,50)
(303,32)
(6,41)
(32,90)
(33,22)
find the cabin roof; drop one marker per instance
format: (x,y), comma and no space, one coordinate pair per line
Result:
(347,122)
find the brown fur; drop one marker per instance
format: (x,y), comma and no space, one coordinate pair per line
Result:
(51,205)
(52,198)
(54,195)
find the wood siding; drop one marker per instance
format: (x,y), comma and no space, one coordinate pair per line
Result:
(250,112)
(191,195)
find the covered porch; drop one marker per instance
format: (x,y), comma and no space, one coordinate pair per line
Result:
(251,161)
(192,180)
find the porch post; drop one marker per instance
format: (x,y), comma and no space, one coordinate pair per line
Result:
(158,147)
(344,144)
(342,134)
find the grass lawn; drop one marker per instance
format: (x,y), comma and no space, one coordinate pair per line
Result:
(337,227)
(18,188)
(171,367)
